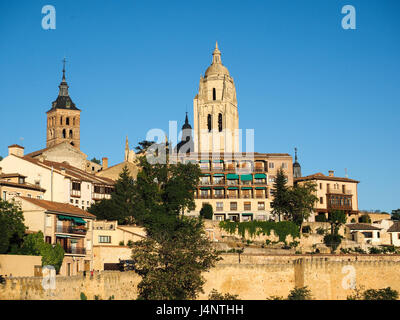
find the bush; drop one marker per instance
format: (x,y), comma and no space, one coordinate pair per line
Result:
(300,294)
(215,295)
(207,211)
(306,229)
(320,218)
(365,219)
(333,241)
(254,228)
(83,296)
(321,231)
(374,250)
(374,294)
(121,243)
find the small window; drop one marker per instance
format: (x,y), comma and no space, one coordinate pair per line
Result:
(220,206)
(271,165)
(214,94)
(321,200)
(320,185)
(233,205)
(261,206)
(104,239)
(64,133)
(220,122)
(284,165)
(247,206)
(209,122)
(67,121)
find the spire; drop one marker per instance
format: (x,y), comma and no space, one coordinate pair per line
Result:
(126,143)
(63,85)
(216,55)
(296,166)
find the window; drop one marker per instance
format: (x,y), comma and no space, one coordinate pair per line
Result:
(209,122)
(321,200)
(29,195)
(76,186)
(247,206)
(261,206)
(48,221)
(220,122)
(271,165)
(104,239)
(48,239)
(284,165)
(4,195)
(70,134)
(21,180)
(61,120)
(320,185)
(234,206)
(64,133)
(214,94)
(67,121)
(72,200)
(220,206)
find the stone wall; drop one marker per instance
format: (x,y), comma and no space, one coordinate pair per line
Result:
(254,277)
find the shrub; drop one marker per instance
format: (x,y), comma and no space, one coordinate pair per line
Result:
(282,228)
(365,218)
(215,295)
(321,231)
(300,294)
(306,229)
(121,243)
(374,250)
(374,294)
(83,296)
(333,241)
(207,211)
(320,218)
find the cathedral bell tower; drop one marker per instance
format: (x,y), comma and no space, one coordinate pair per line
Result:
(216,119)
(63,119)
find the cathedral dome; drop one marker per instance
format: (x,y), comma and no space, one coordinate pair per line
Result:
(216,66)
(217,69)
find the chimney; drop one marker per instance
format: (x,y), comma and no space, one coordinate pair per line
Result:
(331,173)
(16,150)
(105,163)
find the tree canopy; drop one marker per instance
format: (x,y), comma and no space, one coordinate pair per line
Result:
(280,202)
(12,226)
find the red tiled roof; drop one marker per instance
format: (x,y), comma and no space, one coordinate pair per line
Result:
(25,185)
(16,146)
(321,176)
(59,207)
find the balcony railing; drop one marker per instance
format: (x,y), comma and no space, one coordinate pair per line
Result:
(99,196)
(71,229)
(70,250)
(76,193)
(259,169)
(338,191)
(219,196)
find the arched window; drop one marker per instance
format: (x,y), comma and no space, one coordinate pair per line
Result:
(73,121)
(61,120)
(209,122)
(220,122)
(67,121)
(214,94)
(70,133)
(64,133)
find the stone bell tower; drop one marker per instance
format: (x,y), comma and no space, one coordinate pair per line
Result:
(216,118)
(63,119)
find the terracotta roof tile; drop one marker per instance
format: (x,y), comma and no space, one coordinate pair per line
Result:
(59,207)
(321,176)
(361,226)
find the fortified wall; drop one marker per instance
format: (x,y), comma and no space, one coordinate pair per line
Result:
(254,277)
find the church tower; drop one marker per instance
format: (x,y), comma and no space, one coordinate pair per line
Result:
(296,166)
(216,119)
(63,119)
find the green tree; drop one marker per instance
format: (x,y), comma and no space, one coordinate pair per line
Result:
(280,203)
(120,206)
(396,214)
(207,211)
(96,160)
(301,199)
(34,245)
(171,263)
(143,146)
(365,218)
(374,294)
(1,158)
(336,218)
(12,226)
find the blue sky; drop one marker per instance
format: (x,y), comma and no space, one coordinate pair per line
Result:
(301,79)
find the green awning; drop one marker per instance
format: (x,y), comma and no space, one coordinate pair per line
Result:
(204,161)
(247,188)
(218,175)
(247,214)
(62,236)
(205,175)
(260,176)
(218,188)
(204,188)
(61,217)
(218,161)
(260,188)
(233,188)
(79,220)
(232,176)
(246,177)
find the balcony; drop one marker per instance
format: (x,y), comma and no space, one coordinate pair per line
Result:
(259,169)
(99,196)
(261,196)
(219,196)
(76,193)
(202,196)
(71,250)
(71,230)
(338,191)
